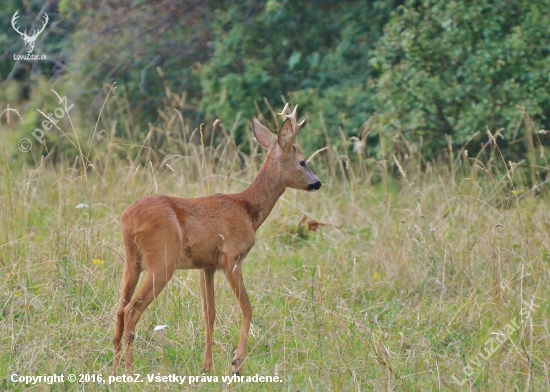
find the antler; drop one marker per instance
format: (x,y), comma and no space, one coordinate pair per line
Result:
(292,117)
(15,16)
(46,19)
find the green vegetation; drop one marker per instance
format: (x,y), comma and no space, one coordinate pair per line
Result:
(402,289)
(433,234)
(415,76)
(453,68)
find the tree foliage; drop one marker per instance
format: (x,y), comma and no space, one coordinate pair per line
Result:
(419,71)
(454,68)
(314,53)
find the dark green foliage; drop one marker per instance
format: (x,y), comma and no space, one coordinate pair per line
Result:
(314,53)
(454,68)
(426,74)
(128,45)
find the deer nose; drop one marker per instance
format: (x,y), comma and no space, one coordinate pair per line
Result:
(314,187)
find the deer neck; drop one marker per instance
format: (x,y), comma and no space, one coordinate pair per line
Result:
(260,197)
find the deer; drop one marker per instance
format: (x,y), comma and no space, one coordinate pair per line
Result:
(29,40)
(161,234)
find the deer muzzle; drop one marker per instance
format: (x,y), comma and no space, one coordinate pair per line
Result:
(314,186)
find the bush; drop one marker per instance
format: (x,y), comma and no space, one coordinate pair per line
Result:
(315,54)
(455,68)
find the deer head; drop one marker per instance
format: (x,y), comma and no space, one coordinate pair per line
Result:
(292,166)
(29,40)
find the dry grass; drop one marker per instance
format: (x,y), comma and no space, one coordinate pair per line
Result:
(401,292)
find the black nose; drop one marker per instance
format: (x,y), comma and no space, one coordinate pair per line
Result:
(315,186)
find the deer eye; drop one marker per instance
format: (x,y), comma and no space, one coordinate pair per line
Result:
(303,163)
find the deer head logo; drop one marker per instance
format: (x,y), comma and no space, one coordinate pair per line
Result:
(29,40)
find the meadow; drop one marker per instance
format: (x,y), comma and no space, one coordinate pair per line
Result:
(420,275)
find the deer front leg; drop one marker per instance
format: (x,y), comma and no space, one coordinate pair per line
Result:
(209,314)
(234,276)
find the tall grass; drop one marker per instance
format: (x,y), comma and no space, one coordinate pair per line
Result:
(419,264)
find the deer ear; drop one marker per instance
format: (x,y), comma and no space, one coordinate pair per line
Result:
(286,135)
(264,137)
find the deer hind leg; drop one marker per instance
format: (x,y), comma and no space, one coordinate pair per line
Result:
(234,276)
(159,271)
(209,314)
(130,278)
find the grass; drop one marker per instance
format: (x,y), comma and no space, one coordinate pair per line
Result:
(400,291)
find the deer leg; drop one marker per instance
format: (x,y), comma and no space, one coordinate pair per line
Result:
(208,312)
(129,281)
(235,279)
(152,286)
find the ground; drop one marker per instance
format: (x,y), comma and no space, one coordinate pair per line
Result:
(436,281)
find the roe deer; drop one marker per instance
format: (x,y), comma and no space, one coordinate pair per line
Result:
(162,234)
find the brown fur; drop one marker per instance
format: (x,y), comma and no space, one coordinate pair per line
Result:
(162,234)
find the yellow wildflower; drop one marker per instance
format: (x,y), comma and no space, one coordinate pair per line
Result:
(98,262)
